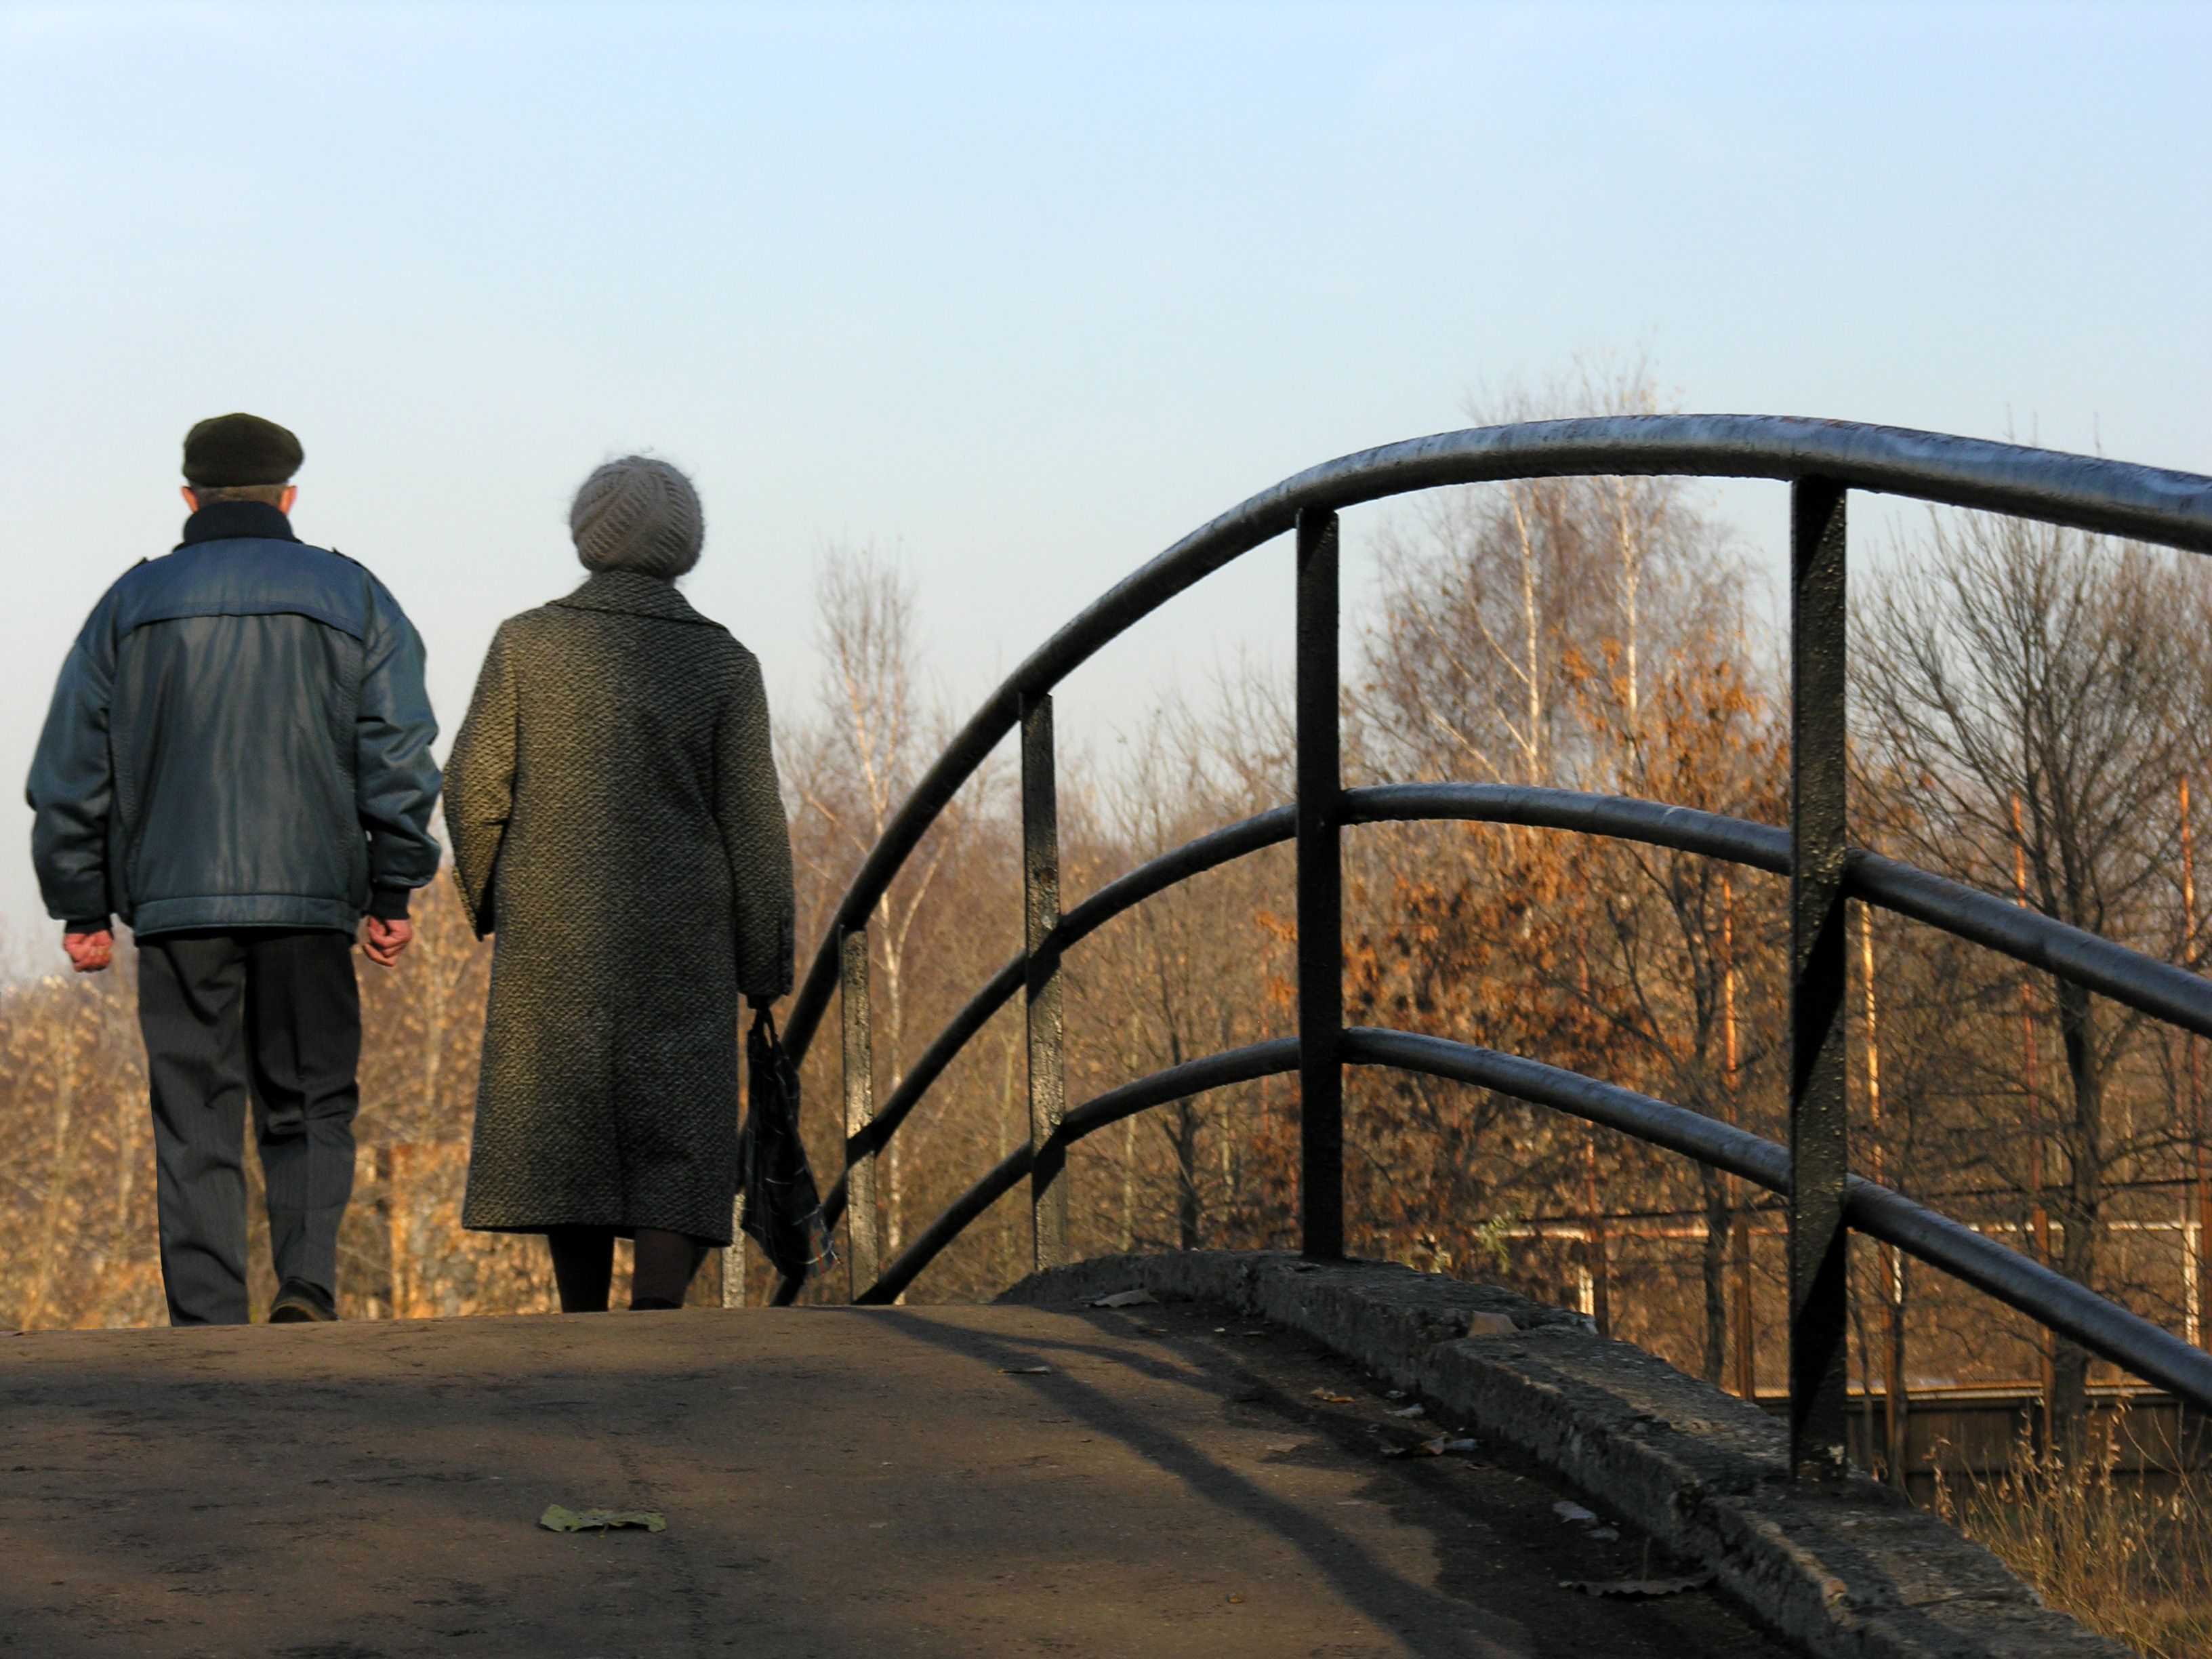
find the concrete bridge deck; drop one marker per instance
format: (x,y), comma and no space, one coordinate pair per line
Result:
(836,1482)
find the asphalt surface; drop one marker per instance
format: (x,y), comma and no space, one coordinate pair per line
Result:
(886,1483)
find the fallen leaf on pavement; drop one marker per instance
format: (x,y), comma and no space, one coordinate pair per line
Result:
(1434,1447)
(1125,1300)
(1324,1395)
(559,1519)
(1567,1512)
(1411,1411)
(1638,1587)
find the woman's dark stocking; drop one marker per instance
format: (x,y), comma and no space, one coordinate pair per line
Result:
(583,1265)
(661,1269)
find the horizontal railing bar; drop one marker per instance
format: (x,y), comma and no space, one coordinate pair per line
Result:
(1125,892)
(973,1017)
(2050,1299)
(2143,982)
(1208,852)
(1684,828)
(2140,982)
(1005,1176)
(2087,492)
(1758,845)
(1677,1128)
(2103,1327)
(1193,1076)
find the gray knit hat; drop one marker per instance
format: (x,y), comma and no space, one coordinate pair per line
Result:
(637,513)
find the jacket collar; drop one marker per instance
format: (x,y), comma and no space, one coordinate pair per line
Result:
(632,593)
(223,521)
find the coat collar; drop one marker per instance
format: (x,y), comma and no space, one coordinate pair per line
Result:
(223,521)
(630,592)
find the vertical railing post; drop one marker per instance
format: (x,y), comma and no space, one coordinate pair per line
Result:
(1040,917)
(863,1248)
(1820,1148)
(1321,893)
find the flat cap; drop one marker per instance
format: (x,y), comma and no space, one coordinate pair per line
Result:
(240,449)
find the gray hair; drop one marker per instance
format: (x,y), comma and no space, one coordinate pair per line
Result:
(638,513)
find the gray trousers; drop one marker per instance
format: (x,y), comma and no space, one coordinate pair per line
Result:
(271,1016)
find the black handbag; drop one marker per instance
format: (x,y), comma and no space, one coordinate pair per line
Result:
(783,1211)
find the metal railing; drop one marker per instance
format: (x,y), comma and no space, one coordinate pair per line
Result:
(1822,461)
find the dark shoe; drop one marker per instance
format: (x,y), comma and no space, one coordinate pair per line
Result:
(302,1303)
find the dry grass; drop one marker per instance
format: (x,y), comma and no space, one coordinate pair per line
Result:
(2128,1562)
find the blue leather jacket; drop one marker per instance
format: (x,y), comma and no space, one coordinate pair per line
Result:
(241,737)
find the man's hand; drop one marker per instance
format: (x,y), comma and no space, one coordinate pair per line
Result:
(89,953)
(386,940)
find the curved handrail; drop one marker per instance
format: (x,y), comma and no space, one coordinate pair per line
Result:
(2140,981)
(1193,1076)
(2087,492)
(1534,806)
(2143,982)
(1125,892)
(2126,1338)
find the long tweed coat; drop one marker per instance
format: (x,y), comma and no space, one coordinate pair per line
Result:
(615,823)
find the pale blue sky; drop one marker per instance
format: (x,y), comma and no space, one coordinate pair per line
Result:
(1025,292)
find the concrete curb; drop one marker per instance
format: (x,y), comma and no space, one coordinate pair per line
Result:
(1848,1572)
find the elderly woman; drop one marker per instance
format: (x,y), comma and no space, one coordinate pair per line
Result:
(615,823)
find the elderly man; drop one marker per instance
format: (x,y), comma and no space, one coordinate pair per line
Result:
(237,764)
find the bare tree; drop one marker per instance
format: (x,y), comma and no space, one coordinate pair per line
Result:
(2004,662)
(1585,631)
(1186,974)
(852,767)
(1499,602)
